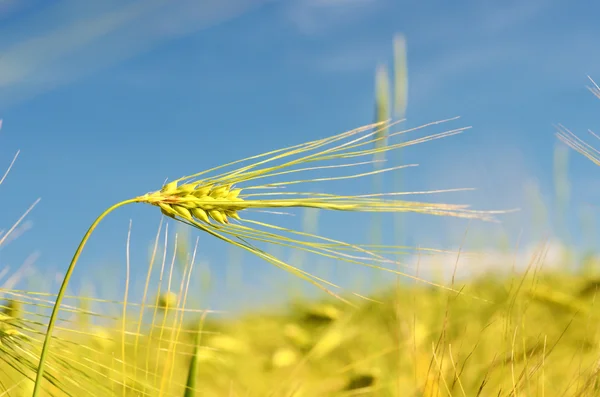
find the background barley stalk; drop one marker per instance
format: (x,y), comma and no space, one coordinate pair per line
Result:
(383,111)
(214,204)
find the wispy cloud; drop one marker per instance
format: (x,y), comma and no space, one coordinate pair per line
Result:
(478,37)
(7,7)
(353,57)
(466,29)
(498,16)
(66,41)
(316,17)
(472,25)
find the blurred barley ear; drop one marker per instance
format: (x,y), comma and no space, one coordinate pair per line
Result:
(382,114)
(588,226)
(400,104)
(562,188)
(400,76)
(539,219)
(382,108)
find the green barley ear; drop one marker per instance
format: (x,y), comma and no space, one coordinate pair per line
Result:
(215,202)
(400,76)
(382,107)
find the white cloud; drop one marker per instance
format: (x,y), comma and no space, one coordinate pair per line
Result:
(66,41)
(546,255)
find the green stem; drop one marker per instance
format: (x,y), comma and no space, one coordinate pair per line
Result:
(61,293)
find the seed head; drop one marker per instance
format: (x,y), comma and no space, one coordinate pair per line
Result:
(198,202)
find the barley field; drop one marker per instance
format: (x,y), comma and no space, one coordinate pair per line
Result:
(522,325)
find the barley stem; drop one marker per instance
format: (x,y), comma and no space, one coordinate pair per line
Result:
(61,293)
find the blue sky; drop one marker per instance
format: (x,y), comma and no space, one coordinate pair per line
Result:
(107,99)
